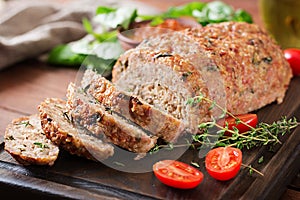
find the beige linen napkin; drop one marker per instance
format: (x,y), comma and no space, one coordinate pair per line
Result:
(31,28)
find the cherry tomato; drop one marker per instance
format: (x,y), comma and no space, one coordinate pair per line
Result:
(250,119)
(177,174)
(223,163)
(292,55)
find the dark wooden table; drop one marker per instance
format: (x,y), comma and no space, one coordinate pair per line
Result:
(24,85)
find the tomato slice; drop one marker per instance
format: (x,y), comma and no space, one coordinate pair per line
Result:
(177,174)
(223,163)
(250,119)
(292,55)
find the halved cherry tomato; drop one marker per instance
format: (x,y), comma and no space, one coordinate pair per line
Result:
(223,163)
(177,174)
(292,55)
(250,119)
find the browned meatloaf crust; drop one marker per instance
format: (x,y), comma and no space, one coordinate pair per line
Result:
(102,121)
(150,118)
(58,127)
(252,66)
(25,140)
(166,81)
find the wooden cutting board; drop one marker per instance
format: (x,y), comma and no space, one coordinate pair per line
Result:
(78,178)
(25,85)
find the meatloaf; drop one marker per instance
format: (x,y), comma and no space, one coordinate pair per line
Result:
(166,81)
(157,122)
(102,121)
(239,58)
(58,127)
(26,142)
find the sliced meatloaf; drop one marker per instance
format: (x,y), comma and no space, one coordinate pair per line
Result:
(26,142)
(102,121)
(58,127)
(251,66)
(166,81)
(157,122)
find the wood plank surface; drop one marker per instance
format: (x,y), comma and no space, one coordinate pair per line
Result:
(24,85)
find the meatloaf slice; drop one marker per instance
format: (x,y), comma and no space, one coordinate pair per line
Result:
(26,142)
(251,65)
(102,121)
(57,125)
(159,123)
(166,81)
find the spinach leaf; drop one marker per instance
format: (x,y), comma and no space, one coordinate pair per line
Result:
(102,66)
(120,17)
(184,10)
(104,10)
(63,55)
(105,50)
(105,36)
(218,11)
(242,16)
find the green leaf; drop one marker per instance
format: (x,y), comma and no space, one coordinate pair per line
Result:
(63,55)
(220,144)
(213,104)
(102,66)
(104,10)
(120,17)
(156,21)
(184,10)
(242,16)
(237,121)
(261,160)
(105,50)
(218,11)
(87,26)
(41,145)
(108,50)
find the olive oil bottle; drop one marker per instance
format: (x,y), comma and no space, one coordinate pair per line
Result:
(282,19)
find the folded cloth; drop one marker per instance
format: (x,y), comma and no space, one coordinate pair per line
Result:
(31,28)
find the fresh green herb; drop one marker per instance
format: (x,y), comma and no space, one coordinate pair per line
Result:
(112,18)
(218,11)
(205,13)
(63,55)
(41,145)
(104,10)
(101,48)
(262,134)
(242,16)
(157,21)
(261,160)
(155,149)
(252,169)
(25,123)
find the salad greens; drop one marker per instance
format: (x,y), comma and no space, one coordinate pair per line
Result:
(100,48)
(204,13)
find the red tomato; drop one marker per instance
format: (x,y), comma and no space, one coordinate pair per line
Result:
(177,174)
(250,119)
(223,163)
(292,55)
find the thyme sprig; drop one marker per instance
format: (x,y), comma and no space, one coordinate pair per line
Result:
(262,134)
